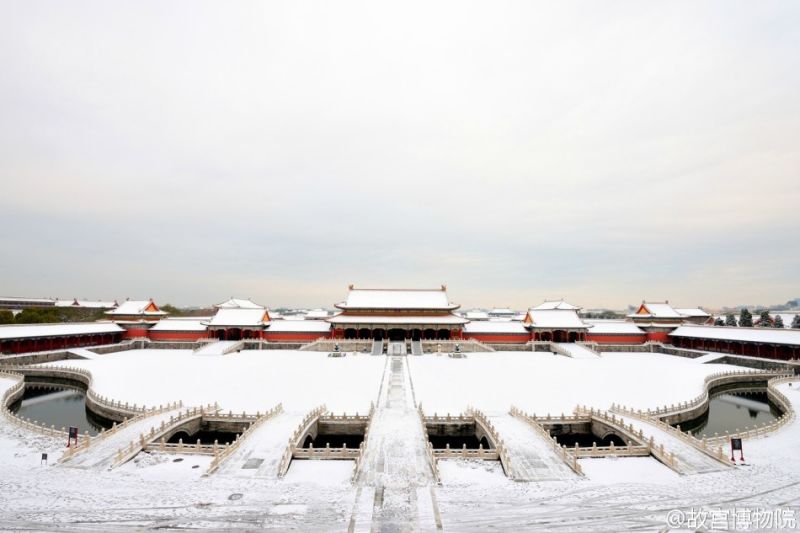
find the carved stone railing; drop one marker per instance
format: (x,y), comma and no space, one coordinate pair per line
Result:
(125,454)
(482,420)
(658,451)
(326,453)
(611,420)
(81,375)
(709,382)
(630,450)
(464,453)
(302,429)
(433,460)
(359,459)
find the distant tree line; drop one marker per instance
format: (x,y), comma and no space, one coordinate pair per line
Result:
(606,314)
(764,320)
(43,315)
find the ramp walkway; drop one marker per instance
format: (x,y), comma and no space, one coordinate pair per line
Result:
(395,467)
(102,453)
(710,357)
(82,353)
(377,347)
(577,351)
(260,453)
(219,348)
(531,454)
(689,459)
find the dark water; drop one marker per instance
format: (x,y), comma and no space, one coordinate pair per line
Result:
(457,442)
(586,440)
(60,407)
(732,410)
(336,440)
(205,437)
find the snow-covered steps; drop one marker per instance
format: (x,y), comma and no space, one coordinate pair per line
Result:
(377,347)
(82,353)
(219,348)
(260,452)
(577,351)
(709,357)
(532,457)
(416,347)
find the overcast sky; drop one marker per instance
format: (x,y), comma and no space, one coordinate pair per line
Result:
(603,152)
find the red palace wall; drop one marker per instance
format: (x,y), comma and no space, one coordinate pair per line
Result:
(617,339)
(499,339)
(136,332)
(658,336)
(177,335)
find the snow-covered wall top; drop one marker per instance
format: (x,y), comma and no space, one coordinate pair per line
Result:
(764,335)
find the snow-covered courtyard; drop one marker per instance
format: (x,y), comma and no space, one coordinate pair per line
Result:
(157,490)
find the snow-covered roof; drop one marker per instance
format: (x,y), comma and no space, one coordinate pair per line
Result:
(393,319)
(290,326)
(694,312)
(91,304)
(476,315)
(613,327)
(316,314)
(554,318)
(763,335)
(501,311)
(238,303)
(194,323)
(57,330)
(137,307)
(22,300)
(240,317)
(656,310)
(556,304)
(496,326)
(422,299)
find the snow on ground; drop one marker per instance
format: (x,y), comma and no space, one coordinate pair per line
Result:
(153,491)
(542,382)
(627,470)
(251,380)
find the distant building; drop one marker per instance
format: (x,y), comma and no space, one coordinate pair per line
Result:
(19,303)
(238,303)
(86,304)
(232,323)
(136,316)
(555,321)
(502,312)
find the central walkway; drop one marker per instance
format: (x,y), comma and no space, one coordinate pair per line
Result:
(396,470)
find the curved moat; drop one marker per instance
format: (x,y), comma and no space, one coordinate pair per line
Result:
(59,406)
(732,408)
